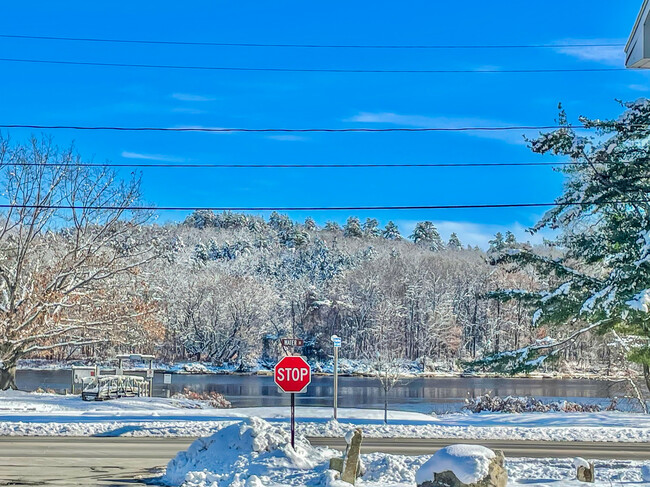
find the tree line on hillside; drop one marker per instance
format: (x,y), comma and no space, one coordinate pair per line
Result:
(81,276)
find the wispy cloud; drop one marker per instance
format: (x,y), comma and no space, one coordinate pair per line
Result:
(637,87)
(192,111)
(151,157)
(609,55)
(477,234)
(191,97)
(390,118)
(287,137)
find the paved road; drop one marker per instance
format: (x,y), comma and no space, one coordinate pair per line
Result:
(72,461)
(511,448)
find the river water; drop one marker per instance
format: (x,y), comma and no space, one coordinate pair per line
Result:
(422,394)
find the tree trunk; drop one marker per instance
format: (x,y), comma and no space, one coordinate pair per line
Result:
(646,375)
(385,405)
(8,377)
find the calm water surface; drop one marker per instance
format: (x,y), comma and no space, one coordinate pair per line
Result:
(423,394)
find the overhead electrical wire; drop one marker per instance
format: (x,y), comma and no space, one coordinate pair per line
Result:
(313,70)
(305,166)
(316,208)
(302,130)
(311,46)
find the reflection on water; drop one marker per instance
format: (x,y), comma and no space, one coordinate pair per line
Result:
(423,394)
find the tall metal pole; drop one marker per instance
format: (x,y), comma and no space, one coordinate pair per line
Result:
(293,420)
(336,381)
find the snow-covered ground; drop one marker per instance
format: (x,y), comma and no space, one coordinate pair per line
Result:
(255,453)
(51,415)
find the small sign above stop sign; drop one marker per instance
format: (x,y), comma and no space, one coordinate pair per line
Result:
(292,374)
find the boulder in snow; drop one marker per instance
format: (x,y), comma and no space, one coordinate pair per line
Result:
(350,466)
(462,466)
(584,470)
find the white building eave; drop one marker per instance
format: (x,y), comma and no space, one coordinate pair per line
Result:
(637,49)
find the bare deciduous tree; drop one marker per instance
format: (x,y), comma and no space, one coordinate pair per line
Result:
(65,238)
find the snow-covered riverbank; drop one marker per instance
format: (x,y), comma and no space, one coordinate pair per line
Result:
(51,415)
(361,368)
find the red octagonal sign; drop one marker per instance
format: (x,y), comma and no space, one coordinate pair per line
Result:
(292,374)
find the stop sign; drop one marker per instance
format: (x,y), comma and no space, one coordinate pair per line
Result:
(292,374)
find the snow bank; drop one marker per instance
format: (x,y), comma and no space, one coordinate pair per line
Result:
(243,454)
(470,463)
(645,473)
(27,414)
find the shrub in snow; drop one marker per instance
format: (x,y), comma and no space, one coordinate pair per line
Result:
(460,465)
(211,399)
(496,404)
(242,455)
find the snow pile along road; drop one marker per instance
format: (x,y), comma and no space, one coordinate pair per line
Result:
(246,454)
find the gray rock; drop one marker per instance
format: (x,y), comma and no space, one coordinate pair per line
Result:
(496,477)
(350,465)
(585,474)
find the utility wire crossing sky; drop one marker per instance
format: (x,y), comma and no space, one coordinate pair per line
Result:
(364,71)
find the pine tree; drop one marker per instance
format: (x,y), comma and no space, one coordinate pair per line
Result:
(454,242)
(602,282)
(352,228)
(279,222)
(391,232)
(200,254)
(310,224)
(497,244)
(511,241)
(371,228)
(332,226)
(426,233)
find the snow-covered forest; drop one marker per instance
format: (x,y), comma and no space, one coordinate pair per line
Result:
(234,284)
(97,279)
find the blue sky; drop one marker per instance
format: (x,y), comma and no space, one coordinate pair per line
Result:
(45,94)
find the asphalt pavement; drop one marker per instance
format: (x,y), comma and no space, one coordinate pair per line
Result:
(122,461)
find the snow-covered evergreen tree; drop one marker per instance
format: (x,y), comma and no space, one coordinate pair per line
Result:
(310,224)
(454,242)
(602,282)
(497,244)
(332,226)
(280,222)
(352,228)
(426,233)
(371,228)
(391,232)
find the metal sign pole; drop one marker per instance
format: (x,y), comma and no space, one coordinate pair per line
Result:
(293,420)
(336,381)
(336,341)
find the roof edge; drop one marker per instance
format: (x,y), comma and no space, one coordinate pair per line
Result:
(636,24)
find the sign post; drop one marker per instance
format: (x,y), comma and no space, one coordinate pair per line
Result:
(292,375)
(336,340)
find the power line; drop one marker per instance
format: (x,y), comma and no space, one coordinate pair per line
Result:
(311,46)
(314,70)
(304,166)
(302,130)
(316,208)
